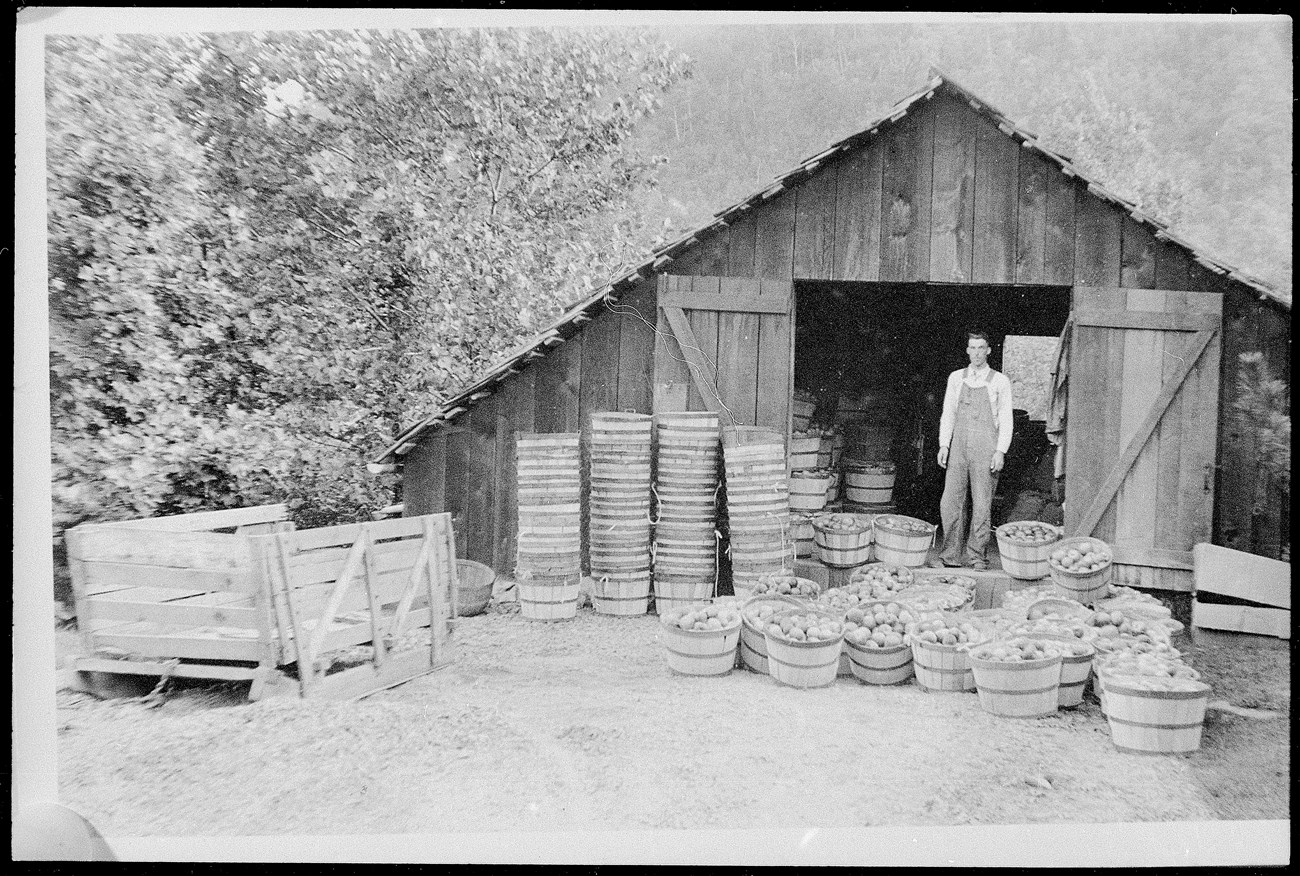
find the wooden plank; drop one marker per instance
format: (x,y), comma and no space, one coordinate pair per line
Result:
(1242,575)
(459,447)
(424,475)
(854,222)
(1031,218)
(600,360)
(681,295)
(899,206)
(482,487)
(1136,511)
(101,576)
(997,170)
(154,667)
(1098,230)
(1238,444)
(740,247)
(200,521)
(737,379)
(1208,304)
(177,613)
(1137,256)
(1173,266)
(320,566)
(364,680)
(775,376)
(1201,395)
(516,416)
(1149,321)
(918,242)
(1140,435)
(1169,436)
(1112,400)
(1058,245)
(814,228)
(704,325)
(636,349)
(184,644)
(183,550)
(953,199)
(556,388)
(146,594)
(774,238)
(344,535)
(1242,619)
(1139,553)
(703,378)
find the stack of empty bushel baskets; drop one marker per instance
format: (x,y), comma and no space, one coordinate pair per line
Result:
(549,561)
(869,485)
(758,507)
(618,531)
(687,451)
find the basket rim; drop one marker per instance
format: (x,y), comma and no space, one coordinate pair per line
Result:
(884,520)
(883,650)
(1041,663)
(1060,533)
(727,629)
(866,526)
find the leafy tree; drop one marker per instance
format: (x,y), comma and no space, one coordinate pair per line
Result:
(310,239)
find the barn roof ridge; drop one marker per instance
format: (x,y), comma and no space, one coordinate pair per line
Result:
(576,313)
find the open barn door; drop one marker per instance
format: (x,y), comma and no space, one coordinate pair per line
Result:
(1141,427)
(726,344)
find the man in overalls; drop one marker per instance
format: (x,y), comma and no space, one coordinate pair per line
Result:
(974,434)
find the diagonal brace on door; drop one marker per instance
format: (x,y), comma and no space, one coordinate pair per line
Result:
(1200,341)
(702,371)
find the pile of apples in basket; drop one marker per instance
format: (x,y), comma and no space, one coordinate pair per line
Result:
(1031,656)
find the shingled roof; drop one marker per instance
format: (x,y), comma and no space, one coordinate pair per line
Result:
(584,309)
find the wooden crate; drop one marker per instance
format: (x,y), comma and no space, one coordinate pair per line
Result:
(178,596)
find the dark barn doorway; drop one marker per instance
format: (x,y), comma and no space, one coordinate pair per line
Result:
(884,351)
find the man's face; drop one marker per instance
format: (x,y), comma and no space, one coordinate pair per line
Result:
(978,350)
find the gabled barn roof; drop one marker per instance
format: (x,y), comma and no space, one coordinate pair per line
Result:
(586,308)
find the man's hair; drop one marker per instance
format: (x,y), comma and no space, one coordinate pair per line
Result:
(972,334)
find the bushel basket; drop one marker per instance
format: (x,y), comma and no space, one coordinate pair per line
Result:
(1085,587)
(1023,560)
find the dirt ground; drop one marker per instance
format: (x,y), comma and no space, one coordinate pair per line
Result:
(580,725)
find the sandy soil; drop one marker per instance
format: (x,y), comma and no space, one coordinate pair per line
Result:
(580,725)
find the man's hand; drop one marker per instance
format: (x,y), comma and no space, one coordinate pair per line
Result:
(996,465)
(943,457)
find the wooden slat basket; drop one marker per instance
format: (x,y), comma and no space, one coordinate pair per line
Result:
(900,546)
(804,664)
(753,647)
(700,652)
(1025,689)
(1148,721)
(1085,587)
(1025,562)
(844,548)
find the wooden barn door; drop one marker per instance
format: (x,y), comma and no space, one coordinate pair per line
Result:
(726,344)
(1141,427)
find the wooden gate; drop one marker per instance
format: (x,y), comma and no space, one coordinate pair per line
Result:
(726,344)
(1141,427)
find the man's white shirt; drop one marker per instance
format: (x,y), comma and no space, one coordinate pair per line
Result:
(999,390)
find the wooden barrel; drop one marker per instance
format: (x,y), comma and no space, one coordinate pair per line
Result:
(1025,562)
(941,668)
(807,489)
(899,546)
(548,602)
(803,664)
(474,587)
(868,483)
(753,648)
(675,592)
(614,594)
(700,652)
(1025,689)
(1146,721)
(843,549)
(879,665)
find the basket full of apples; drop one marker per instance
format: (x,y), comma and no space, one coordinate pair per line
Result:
(1025,546)
(803,647)
(1080,568)
(756,613)
(883,580)
(701,639)
(843,540)
(876,643)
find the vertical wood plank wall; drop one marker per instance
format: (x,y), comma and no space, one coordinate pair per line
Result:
(941,196)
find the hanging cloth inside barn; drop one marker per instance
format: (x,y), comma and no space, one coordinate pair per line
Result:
(1056,403)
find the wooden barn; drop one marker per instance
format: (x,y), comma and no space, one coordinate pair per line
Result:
(855,275)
